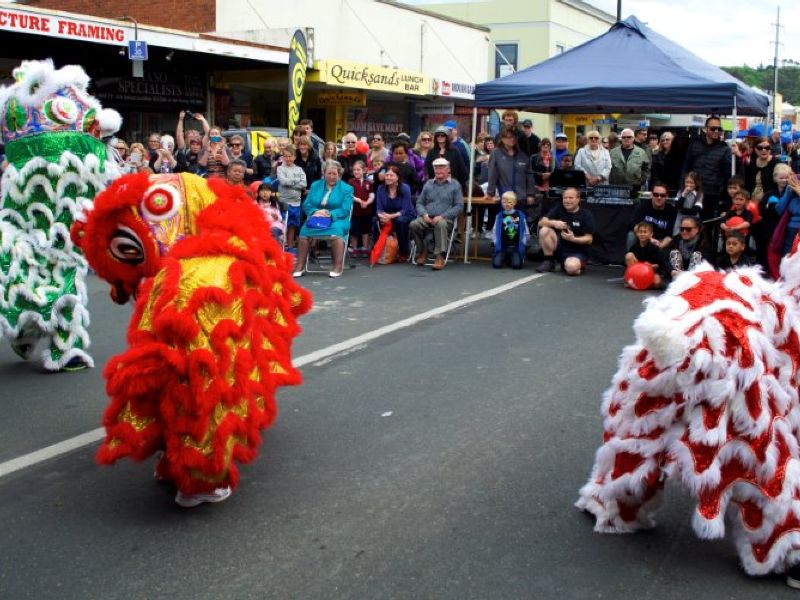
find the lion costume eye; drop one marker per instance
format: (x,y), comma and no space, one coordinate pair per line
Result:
(126,246)
(161,202)
(61,110)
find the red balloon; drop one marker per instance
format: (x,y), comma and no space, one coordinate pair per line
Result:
(753,208)
(362,147)
(734,221)
(640,276)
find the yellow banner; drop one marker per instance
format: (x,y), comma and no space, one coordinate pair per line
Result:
(257,139)
(341,99)
(298,60)
(371,77)
(581,119)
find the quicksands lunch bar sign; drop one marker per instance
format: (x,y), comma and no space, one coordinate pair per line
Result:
(371,77)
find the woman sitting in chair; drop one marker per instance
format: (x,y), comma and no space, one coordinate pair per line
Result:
(395,207)
(327,207)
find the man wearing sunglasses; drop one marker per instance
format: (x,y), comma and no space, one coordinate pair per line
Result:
(659,213)
(710,156)
(349,155)
(630,164)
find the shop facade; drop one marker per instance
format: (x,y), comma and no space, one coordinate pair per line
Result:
(374,63)
(178,75)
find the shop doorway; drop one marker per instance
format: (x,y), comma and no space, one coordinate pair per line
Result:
(317,116)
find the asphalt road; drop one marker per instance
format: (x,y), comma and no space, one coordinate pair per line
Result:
(439,461)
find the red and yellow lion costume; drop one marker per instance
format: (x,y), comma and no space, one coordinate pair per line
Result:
(210,339)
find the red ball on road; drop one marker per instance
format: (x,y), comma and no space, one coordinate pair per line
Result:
(640,276)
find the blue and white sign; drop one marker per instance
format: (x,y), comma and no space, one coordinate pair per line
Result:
(137,50)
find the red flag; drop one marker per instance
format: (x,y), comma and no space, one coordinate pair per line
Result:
(380,243)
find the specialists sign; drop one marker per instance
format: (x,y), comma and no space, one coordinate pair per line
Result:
(174,90)
(61,27)
(371,77)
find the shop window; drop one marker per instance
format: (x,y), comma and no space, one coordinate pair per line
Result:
(386,118)
(505,59)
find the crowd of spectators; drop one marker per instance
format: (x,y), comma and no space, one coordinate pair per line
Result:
(417,187)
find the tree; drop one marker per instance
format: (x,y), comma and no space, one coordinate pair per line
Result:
(763,77)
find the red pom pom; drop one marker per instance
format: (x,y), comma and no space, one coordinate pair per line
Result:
(640,276)
(362,147)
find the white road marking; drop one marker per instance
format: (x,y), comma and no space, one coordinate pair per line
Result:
(28,460)
(402,324)
(318,356)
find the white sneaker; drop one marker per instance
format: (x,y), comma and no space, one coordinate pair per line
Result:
(335,274)
(298,273)
(190,501)
(488,235)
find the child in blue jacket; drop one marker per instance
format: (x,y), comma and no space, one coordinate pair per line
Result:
(510,234)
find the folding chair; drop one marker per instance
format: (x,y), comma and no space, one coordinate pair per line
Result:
(285,221)
(428,239)
(325,265)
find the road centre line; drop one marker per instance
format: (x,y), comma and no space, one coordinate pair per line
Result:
(95,435)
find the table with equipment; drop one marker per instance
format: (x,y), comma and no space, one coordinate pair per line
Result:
(613,208)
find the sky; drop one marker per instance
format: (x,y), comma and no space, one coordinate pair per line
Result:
(722,32)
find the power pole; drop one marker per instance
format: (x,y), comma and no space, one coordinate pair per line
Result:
(619,11)
(776,116)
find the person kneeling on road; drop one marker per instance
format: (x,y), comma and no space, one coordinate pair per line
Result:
(510,234)
(565,235)
(438,205)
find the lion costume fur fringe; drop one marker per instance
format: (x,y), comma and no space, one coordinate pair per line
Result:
(210,338)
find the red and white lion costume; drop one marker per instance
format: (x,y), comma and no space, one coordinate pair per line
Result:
(709,393)
(210,338)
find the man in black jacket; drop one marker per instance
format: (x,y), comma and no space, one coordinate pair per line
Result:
(710,156)
(527,140)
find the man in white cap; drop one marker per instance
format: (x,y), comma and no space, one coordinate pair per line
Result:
(438,205)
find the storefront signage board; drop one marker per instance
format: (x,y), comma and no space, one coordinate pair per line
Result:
(371,77)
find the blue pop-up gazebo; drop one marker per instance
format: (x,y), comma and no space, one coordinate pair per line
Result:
(629,69)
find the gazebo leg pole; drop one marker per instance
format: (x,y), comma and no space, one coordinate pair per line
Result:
(468,220)
(735,133)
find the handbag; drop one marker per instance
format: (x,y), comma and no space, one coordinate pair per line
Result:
(390,251)
(318,221)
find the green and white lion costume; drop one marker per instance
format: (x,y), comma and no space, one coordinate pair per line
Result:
(57,164)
